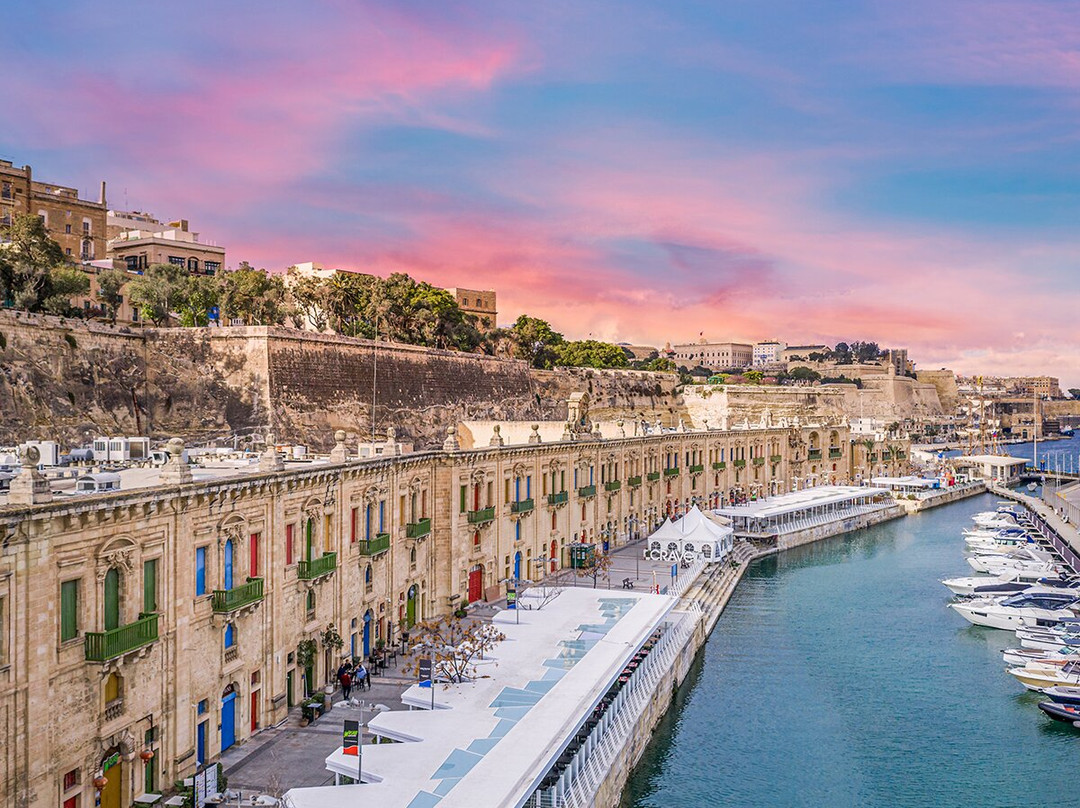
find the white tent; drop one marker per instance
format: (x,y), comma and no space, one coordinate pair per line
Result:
(694,536)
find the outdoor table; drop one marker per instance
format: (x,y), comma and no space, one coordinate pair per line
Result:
(177,800)
(147,799)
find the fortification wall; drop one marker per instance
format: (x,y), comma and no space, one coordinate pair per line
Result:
(69,380)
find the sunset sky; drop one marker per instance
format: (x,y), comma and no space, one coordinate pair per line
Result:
(642,172)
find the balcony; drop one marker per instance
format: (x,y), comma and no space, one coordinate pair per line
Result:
(634,482)
(327,563)
(586,491)
(102,646)
(652,476)
(417,530)
(559,498)
(774,459)
(229,600)
(612,485)
(672,472)
(814,454)
(482,516)
(522,506)
(758,461)
(697,469)
(719,465)
(872,457)
(835,453)
(739,464)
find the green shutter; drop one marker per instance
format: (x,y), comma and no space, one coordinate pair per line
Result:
(69,610)
(463,498)
(149,586)
(112,599)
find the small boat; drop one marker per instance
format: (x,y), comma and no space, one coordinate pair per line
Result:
(1063,694)
(1041,675)
(1018,611)
(979,585)
(1068,713)
(1032,486)
(1022,656)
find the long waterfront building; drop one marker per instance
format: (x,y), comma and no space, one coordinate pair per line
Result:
(170,618)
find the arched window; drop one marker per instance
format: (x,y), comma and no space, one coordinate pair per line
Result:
(112,599)
(412,557)
(367,575)
(311,603)
(706,551)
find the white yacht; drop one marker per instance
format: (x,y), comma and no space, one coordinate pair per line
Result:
(1018,611)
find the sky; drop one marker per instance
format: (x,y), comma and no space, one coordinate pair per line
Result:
(641,172)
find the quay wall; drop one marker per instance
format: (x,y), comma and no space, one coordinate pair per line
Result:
(945,497)
(798,538)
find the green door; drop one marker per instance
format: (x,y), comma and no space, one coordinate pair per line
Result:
(308,534)
(149,589)
(410,608)
(112,599)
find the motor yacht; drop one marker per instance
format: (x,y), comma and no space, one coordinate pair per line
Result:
(1018,611)
(1022,656)
(1063,694)
(980,585)
(1028,558)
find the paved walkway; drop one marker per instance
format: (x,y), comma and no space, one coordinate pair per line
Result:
(290,756)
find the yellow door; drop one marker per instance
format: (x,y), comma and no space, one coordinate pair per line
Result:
(110,795)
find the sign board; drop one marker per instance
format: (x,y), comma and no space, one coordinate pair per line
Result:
(424,670)
(511,598)
(200,788)
(350,738)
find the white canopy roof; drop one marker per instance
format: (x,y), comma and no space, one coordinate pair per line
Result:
(695,526)
(802,500)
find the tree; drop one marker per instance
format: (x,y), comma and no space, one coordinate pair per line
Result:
(588,353)
(454,645)
(535,341)
(159,291)
(194,297)
(842,353)
(110,283)
(804,374)
(310,299)
(596,566)
(658,364)
(65,282)
(252,295)
(27,262)
(754,376)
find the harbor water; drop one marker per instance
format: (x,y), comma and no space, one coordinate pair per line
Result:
(837,677)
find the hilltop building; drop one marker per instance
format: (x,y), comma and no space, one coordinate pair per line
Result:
(715,355)
(768,353)
(76,224)
(154,243)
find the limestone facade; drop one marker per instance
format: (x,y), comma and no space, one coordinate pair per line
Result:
(159,618)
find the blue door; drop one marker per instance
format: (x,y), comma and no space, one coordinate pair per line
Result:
(228,721)
(228,564)
(200,744)
(367,634)
(517,566)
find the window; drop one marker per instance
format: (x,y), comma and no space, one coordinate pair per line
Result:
(5,190)
(211,267)
(352,526)
(149,586)
(193,264)
(200,571)
(71,779)
(67,229)
(132,262)
(288,545)
(230,635)
(86,226)
(69,610)
(177,261)
(463,497)
(311,604)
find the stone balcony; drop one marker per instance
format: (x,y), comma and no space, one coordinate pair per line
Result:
(482,516)
(586,491)
(560,498)
(612,485)
(522,506)
(418,529)
(327,563)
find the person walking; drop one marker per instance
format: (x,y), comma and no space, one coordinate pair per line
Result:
(346,684)
(363,681)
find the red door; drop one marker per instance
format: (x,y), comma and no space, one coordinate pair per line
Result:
(554,556)
(476,584)
(254,710)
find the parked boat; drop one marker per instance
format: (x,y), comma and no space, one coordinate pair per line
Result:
(1018,611)
(979,585)
(1022,656)
(1041,675)
(1067,713)
(1064,694)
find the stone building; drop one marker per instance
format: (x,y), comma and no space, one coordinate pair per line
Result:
(156,244)
(480,304)
(76,224)
(180,617)
(715,355)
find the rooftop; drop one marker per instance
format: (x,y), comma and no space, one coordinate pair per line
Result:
(799,501)
(492,741)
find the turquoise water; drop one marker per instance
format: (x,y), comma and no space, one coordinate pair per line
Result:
(838,677)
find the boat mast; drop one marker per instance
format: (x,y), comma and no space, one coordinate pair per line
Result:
(1035,427)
